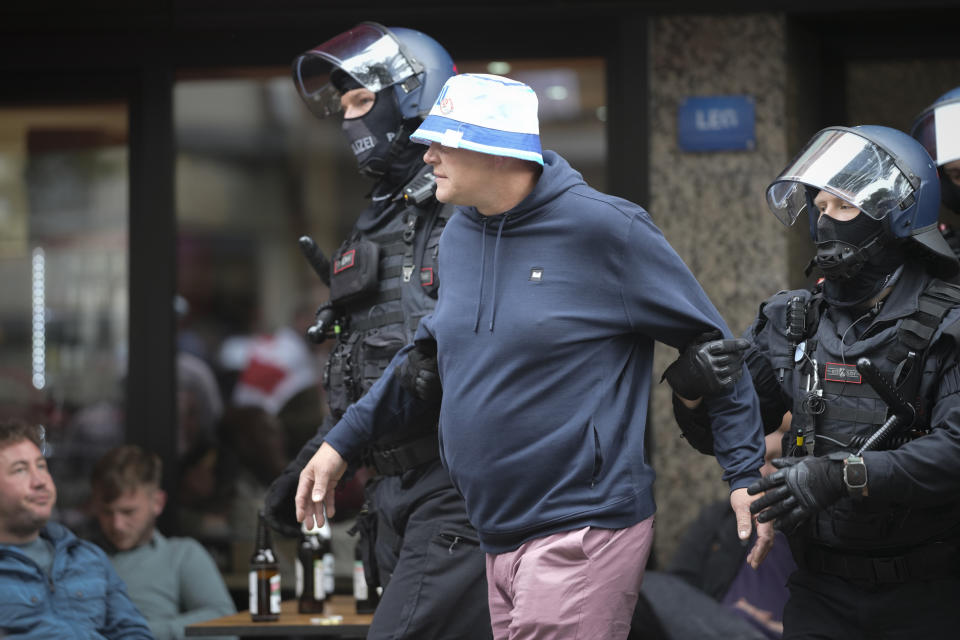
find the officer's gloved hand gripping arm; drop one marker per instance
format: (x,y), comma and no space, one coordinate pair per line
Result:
(419,373)
(708,366)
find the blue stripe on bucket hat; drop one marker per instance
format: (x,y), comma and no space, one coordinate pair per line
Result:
(485,113)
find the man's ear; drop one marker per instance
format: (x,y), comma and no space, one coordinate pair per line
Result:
(159,501)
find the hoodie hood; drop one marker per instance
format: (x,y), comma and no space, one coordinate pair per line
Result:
(556,178)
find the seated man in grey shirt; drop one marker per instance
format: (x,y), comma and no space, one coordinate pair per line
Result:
(173,581)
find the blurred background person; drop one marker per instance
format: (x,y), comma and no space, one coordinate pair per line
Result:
(173,581)
(938,129)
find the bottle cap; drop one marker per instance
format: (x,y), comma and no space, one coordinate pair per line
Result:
(325,531)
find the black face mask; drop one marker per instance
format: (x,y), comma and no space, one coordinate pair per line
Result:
(371,136)
(855,257)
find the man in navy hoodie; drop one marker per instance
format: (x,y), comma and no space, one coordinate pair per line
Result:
(552,298)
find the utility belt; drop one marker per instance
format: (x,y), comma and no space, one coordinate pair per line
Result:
(400,458)
(930,562)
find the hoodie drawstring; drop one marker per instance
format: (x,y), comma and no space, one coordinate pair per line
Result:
(496,250)
(483,255)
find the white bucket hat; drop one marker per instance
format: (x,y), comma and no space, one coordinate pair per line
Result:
(485,113)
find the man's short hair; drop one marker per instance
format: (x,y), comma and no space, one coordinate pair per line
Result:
(15,430)
(125,468)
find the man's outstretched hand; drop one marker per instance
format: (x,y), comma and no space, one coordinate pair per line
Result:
(318,480)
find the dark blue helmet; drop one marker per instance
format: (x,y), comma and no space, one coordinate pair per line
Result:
(938,129)
(376,58)
(883,172)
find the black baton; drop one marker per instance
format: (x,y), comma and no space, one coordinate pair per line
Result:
(902,412)
(315,257)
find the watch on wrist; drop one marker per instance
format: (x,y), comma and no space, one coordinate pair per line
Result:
(855,476)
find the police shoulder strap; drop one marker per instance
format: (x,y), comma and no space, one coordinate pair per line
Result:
(917,330)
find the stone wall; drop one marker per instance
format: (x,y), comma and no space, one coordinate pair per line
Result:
(710,206)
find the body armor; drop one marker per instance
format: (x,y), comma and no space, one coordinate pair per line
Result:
(835,410)
(383,281)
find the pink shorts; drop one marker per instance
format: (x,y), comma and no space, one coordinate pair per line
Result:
(580,584)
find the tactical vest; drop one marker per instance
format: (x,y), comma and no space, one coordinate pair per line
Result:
(840,411)
(383,281)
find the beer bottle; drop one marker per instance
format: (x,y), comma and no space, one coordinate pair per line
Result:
(365,597)
(264,577)
(329,565)
(310,584)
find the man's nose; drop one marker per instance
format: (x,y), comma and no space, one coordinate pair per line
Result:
(430,157)
(40,477)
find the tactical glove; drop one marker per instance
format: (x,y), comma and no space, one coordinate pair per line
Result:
(708,366)
(800,488)
(419,374)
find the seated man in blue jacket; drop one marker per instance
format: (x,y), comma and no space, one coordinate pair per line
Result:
(553,295)
(52,584)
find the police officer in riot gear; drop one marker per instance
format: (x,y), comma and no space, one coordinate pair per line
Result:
(869,488)
(414,535)
(938,128)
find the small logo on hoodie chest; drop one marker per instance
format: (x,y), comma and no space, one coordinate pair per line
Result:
(536,274)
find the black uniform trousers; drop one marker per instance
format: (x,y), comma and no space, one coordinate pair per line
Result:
(430,562)
(824,606)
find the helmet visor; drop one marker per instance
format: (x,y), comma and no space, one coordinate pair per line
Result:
(938,129)
(368,53)
(847,165)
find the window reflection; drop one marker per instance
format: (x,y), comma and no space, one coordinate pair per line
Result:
(63,265)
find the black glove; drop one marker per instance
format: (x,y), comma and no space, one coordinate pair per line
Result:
(708,366)
(800,488)
(418,372)
(279,510)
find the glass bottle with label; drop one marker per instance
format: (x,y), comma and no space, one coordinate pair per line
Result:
(329,565)
(365,597)
(310,589)
(264,584)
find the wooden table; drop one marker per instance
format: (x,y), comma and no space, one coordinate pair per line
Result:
(291,623)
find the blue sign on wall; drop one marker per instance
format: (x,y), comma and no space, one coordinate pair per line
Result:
(716,123)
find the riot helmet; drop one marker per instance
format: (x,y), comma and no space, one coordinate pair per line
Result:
(938,129)
(891,180)
(403,67)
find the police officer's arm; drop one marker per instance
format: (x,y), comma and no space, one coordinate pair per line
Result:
(387,407)
(668,304)
(692,416)
(925,471)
